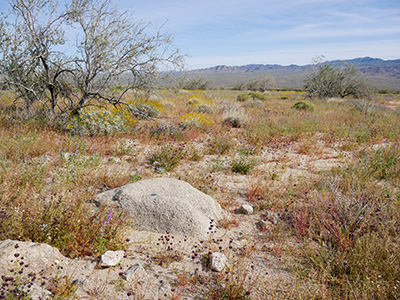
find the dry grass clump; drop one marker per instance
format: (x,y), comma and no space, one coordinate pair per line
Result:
(348,223)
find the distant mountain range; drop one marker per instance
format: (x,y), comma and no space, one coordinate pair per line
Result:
(382,74)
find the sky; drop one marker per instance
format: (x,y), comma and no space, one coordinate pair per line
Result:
(240,32)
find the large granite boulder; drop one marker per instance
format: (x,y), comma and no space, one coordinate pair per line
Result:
(165,205)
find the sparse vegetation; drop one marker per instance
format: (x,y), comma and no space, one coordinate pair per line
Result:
(322,176)
(344,220)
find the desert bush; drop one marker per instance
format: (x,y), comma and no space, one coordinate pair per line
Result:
(304,105)
(342,81)
(194,83)
(242,97)
(234,122)
(220,145)
(234,116)
(167,157)
(242,164)
(365,106)
(262,84)
(95,122)
(259,96)
(195,100)
(204,109)
(196,120)
(146,110)
(202,105)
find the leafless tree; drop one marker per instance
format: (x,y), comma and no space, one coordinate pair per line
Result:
(262,84)
(344,80)
(68,58)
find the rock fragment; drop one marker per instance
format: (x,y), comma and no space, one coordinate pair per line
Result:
(111,258)
(218,261)
(134,272)
(246,209)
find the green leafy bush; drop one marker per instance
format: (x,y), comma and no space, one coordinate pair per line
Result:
(242,97)
(304,105)
(259,96)
(242,164)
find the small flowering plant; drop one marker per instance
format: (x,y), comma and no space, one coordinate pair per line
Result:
(105,235)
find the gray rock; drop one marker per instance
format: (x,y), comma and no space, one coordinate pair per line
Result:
(111,258)
(165,205)
(134,272)
(28,257)
(35,291)
(271,217)
(78,282)
(246,209)
(159,170)
(218,261)
(264,225)
(36,256)
(43,159)
(165,287)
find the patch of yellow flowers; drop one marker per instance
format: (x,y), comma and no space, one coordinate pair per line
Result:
(101,121)
(194,119)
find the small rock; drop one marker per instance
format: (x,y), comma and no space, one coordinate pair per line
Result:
(78,282)
(246,209)
(45,159)
(165,287)
(133,272)
(271,217)
(111,258)
(66,155)
(263,225)
(218,261)
(113,159)
(35,291)
(159,170)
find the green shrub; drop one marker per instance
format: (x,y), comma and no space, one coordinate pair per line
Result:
(204,108)
(304,105)
(242,165)
(220,145)
(234,121)
(146,110)
(242,97)
(259,96)
(95,122)
(167,157)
